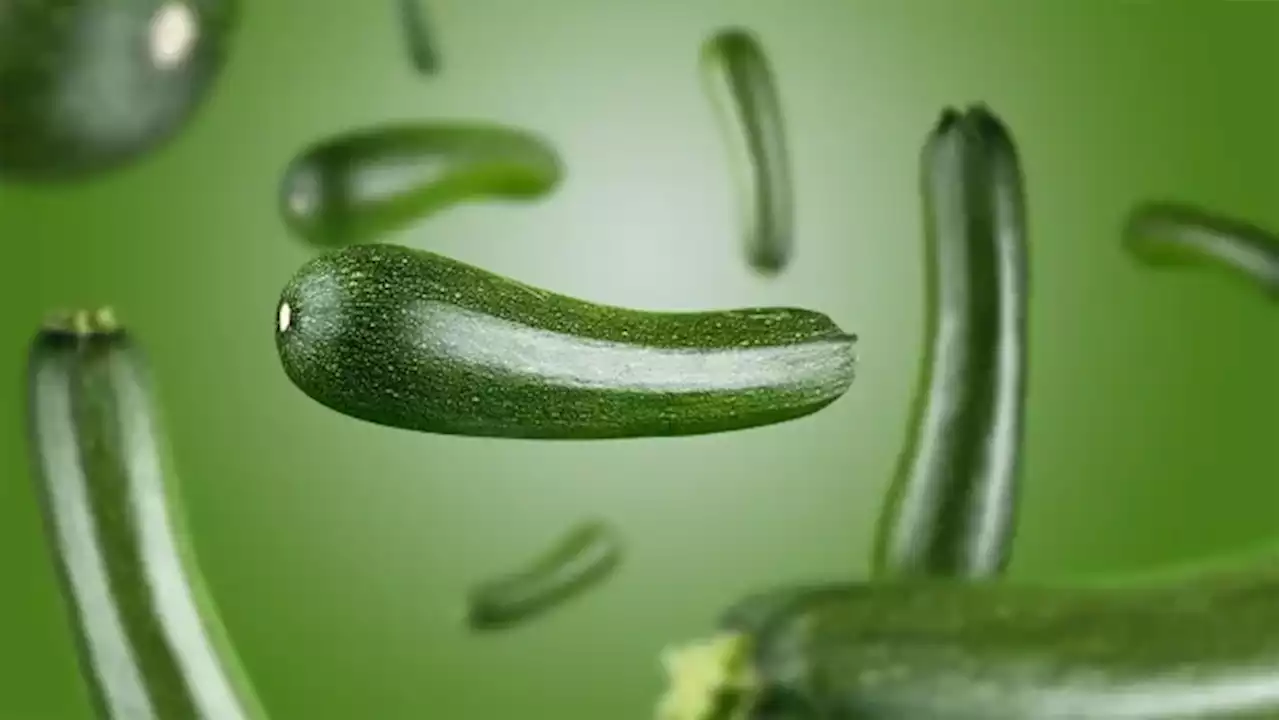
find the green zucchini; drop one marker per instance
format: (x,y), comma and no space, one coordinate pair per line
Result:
(414,340)
(88,85)
(362,185)
(149,641)
(740,84)
(933,649)
(1169,234)
(586,556)
(951,508)
(418,39)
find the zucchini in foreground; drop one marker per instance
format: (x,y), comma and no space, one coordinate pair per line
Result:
(1202,647)
(414,340)
(150,644)
(951,511)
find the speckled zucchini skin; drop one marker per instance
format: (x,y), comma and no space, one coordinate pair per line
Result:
(149,640)
(87,85)
(1202,648)
(414,340)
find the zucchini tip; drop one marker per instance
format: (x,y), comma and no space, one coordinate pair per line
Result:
(710,679)
(82,322)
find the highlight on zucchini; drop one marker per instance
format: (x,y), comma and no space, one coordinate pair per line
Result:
(951,509)
(414,340)
(362,185)
(584,558)
(1171,234)
(1202,647)
(149,641)
(740,84)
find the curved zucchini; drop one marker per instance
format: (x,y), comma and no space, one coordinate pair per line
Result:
(360,186)
(1171,234)
(586,556)
(951,508)
(150,643)
(415,340)
(1203,648)
(740,84)
(87,86)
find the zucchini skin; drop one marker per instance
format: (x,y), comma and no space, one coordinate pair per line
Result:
(1203,647)
(414,340)
(149,641)
(88,86)
(951,508)
(362,185)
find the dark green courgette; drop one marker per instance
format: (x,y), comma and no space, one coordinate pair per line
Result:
(360,186)
(1203,647)
(951,509)
(414,340)
(419,39)
(88,85)
(150,644)
(582,559)
(740,83)
(1173,234)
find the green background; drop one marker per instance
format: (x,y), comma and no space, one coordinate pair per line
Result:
(339,551)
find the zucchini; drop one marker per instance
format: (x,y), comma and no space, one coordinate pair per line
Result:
(149,641)
(929,649)
(87,85)
(418,38)
(951,507)
(1170,234)
(362,185)
(414,340)
(585,557)
(740,83)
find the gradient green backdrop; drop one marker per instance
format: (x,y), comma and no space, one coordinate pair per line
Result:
(339,551)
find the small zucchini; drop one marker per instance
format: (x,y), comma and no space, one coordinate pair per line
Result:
(362,185)
(1203,647)
(419,39)
(951,509)
(1169,234)
(149,641)
(739,81)
(414,340)
(585,557)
